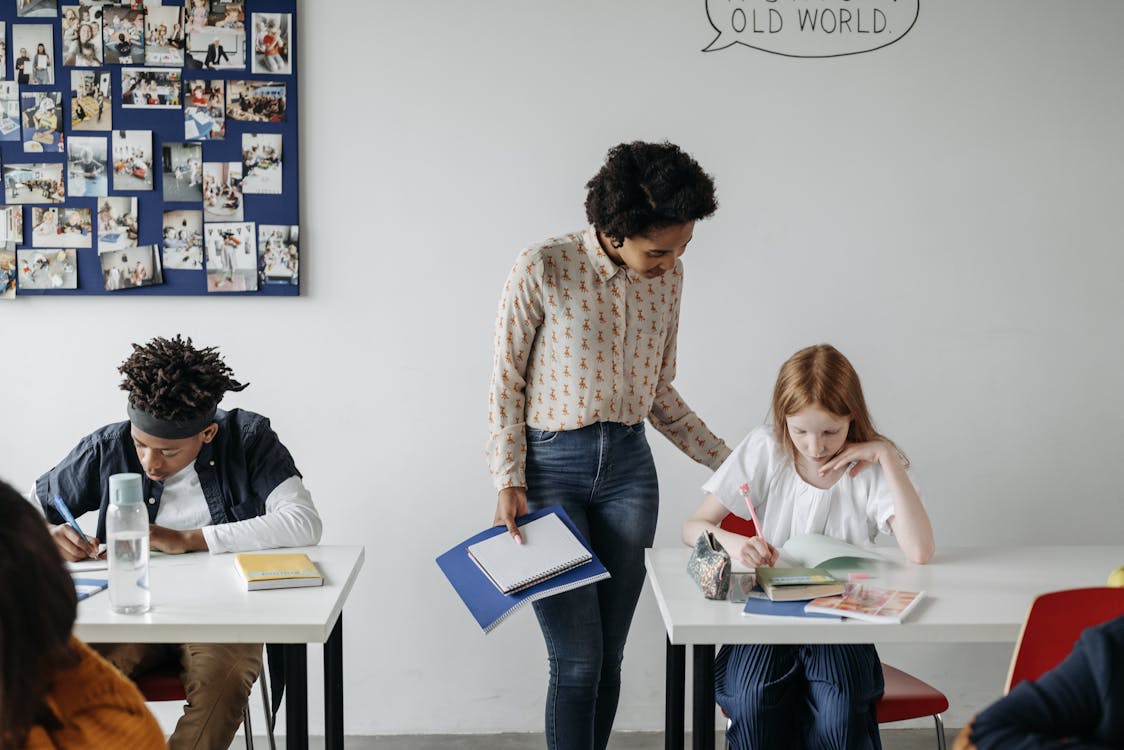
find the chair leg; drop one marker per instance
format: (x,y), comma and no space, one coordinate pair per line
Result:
(247,729)
(263,682)
(941,742)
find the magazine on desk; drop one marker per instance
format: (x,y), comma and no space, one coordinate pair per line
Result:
(868,603)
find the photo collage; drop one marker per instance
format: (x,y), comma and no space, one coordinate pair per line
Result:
(148,145)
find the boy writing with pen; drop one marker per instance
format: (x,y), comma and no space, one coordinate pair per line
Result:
(213,480)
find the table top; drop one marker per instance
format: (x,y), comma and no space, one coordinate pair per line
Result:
(976,595)
(199,597)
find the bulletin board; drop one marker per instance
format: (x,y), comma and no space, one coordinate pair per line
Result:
(149,148)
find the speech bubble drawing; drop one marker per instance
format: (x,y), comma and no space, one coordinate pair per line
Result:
(810,28)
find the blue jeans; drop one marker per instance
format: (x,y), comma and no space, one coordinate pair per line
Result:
(810,697)
(605,478)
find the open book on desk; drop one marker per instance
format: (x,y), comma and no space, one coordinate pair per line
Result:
(819,551)
(488,605)
(868,603)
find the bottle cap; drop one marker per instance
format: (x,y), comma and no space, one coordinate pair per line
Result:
(125,489)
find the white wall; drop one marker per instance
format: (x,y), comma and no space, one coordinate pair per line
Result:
(946,211)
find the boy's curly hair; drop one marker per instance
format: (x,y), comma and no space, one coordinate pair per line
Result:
(647,186)
(172,380)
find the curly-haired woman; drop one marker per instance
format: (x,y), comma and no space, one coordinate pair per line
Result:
(585,346)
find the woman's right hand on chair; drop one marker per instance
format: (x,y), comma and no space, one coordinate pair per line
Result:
(755,552)
(512,502)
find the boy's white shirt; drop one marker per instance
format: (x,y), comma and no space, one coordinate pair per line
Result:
(855,509)
(290,518)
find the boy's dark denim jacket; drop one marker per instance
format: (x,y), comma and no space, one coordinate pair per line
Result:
(237,470)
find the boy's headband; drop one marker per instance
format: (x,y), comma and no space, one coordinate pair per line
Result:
(167,429)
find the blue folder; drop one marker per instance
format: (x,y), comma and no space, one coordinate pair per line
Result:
(87,587)
(488,605)
(755,606)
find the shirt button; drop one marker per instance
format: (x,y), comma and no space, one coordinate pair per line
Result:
(152,501)
(212,463)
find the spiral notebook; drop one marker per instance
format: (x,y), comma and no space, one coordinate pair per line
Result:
(549,548)
(485,602)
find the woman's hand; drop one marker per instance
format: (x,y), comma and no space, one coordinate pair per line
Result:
(511,502)
(964,739)
(861,454)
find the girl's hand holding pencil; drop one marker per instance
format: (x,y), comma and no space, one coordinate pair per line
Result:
(755,551)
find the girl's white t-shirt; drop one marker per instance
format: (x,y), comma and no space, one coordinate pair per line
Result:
(854,509)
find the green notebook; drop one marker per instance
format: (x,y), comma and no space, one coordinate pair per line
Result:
(791,584)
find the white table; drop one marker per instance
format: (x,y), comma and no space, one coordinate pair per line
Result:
(201,598)
(972,596)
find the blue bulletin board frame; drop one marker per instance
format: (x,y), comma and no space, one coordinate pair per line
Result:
(167,126)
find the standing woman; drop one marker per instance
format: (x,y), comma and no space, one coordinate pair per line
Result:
(44,73)
(585,346)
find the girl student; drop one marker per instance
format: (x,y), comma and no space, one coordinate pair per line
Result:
(821,467)
(585,344)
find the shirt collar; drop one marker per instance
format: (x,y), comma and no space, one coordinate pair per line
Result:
(602,263)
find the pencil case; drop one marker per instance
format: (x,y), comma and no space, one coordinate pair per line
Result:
(709,566)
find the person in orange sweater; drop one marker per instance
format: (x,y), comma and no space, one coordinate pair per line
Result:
(55,692)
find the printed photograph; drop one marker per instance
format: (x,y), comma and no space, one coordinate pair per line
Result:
(183,240)
(8,271)
(47,269)
(183,172)
(165,39)
(3,50)
(122,34)
(72,227)
(271,43)
(81,37)
(261,163)
(222,191)
(9,111)
(255,101)
(42,121)
(117,223)
(44,226)
(87,166)
(227,15)
(204,110)
(129,269)
(232,259)
(216,49)
(11,224)
(35,63)
(278,254)
(155,88)
(132,160)
(34,183)
(37,8)
(91,107)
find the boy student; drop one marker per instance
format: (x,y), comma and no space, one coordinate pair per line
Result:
(213,480)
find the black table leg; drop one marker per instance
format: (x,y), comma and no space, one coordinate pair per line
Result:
(702,696)
(333,688)
(674,679)
(296,696)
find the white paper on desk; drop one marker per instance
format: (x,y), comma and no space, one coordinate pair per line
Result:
(83,565)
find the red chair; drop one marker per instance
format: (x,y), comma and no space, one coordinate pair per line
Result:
(1053,624)
(905,696)
(163,684)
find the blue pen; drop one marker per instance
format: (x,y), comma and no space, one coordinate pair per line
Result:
(64,511)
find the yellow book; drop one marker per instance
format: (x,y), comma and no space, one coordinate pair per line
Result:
(277,570)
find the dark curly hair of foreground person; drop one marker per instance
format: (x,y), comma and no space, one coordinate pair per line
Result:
(647,186)
(172,380)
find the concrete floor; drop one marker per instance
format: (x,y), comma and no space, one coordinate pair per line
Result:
(892,739)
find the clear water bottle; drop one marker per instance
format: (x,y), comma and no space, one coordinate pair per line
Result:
(126,531)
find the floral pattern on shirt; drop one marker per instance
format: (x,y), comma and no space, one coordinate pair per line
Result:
(580,340)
